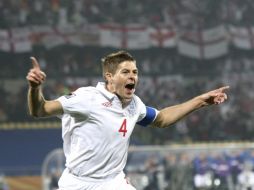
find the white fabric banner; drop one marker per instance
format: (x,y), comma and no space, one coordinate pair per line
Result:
(202,44)
(16,40)
(242,37)
(162,37)
(20,40)
(137,37)
(111,35)
(206,44)
(131,36)
(4,41)
(58,36)
(87,35)
(54,40)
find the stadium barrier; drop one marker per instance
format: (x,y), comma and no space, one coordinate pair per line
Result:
(173,167)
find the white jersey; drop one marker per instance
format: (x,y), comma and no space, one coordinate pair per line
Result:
(96,131)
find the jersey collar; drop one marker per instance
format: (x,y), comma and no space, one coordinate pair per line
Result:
(101,86)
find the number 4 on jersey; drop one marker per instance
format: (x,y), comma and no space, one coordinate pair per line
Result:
(123,128)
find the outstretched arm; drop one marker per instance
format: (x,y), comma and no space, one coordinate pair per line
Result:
(172,114)
(38,106)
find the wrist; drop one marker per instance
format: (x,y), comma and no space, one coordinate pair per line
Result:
(199,101)
(34,87)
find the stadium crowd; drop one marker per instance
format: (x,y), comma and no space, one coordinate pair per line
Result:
(194,170)
(166,76)
(182,13)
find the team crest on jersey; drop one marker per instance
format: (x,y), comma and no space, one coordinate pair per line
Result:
(70,95)
(132,109)
(107,104)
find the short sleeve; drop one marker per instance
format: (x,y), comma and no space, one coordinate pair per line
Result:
(147,114)
(75,102)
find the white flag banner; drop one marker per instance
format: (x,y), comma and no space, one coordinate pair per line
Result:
(189,49)
(20,40)
(87,35)
(216,43)
(53,40)
(4,41)
(204,44)
(42,29)
(131,36)
(39,32)
(111,35)
(162,37)
(242,37)
(137,37)
(58,36)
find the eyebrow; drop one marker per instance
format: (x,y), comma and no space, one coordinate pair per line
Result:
(124,69)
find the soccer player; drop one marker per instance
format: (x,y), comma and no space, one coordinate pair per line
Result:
(97,122)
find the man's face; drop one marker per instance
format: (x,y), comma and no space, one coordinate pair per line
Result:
(124,81)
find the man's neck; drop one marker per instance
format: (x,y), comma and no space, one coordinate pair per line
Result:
(125,102)
(109,88)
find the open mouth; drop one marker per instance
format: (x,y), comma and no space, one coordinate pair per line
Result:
(130,86)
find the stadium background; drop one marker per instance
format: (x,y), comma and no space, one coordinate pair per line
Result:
(183,48)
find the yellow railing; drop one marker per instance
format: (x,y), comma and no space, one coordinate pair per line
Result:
(30,125)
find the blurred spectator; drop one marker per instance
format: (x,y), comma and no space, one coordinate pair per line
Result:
(246,177)
(53,185)
(3,183)
(203,177)
(181,13)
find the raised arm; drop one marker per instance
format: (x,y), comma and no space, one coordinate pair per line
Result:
(172,114)
(38,106)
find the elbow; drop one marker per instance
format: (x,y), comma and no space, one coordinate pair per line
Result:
(159,123)
(164,125)
(36,114)
(162,121)
(37,111)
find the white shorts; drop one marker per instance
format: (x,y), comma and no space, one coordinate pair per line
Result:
(69,181)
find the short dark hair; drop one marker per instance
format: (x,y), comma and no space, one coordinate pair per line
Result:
(111,61)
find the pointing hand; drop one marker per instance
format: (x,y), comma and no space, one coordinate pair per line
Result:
(35,76)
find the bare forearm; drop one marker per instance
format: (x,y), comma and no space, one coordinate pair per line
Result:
(37,105)
(35,101)
(172,114)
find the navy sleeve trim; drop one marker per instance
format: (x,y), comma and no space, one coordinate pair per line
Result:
(148,119)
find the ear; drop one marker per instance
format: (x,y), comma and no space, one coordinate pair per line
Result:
(108,77)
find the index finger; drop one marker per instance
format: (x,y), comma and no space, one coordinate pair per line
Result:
(222,89)
(35,63)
